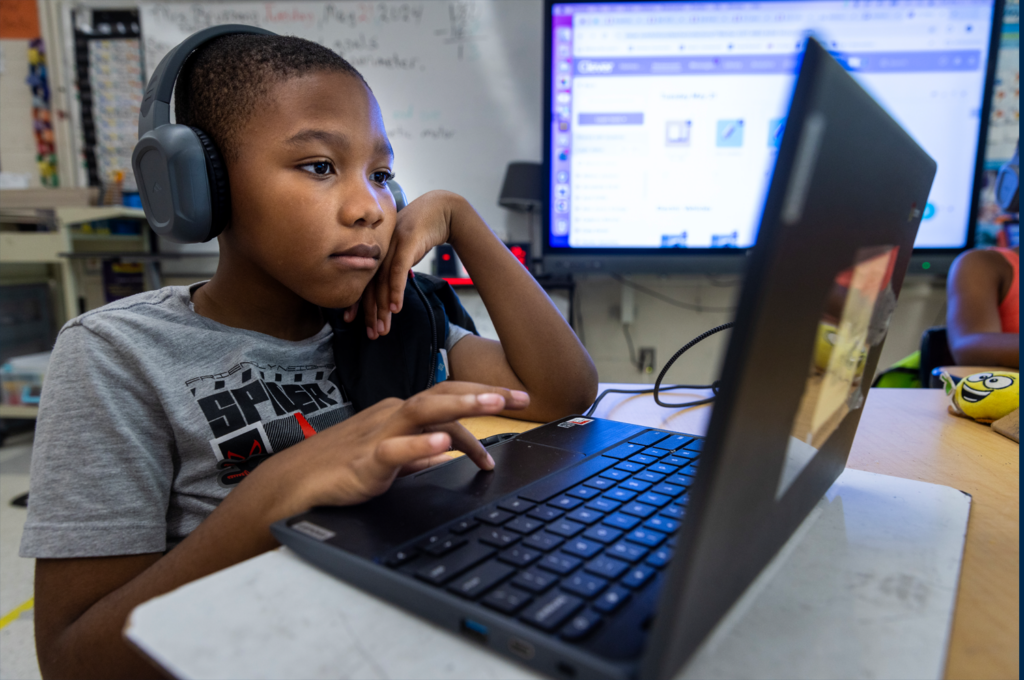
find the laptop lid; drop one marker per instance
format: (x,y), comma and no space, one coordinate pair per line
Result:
(836,234)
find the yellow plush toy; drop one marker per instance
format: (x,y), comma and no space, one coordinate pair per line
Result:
(984,397)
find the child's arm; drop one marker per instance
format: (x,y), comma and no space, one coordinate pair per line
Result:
(538,352)
(82,604)
(976,283)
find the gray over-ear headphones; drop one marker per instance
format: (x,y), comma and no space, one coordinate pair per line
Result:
(182,178)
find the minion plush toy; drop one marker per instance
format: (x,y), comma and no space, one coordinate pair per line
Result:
(984,397)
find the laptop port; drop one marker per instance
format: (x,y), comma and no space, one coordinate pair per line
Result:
(474,630)
(520,648)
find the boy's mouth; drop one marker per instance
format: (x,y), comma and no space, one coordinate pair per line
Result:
(358,257)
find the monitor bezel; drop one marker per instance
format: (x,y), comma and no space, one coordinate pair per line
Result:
(928,261)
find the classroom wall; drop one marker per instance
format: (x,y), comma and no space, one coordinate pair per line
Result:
(17,143)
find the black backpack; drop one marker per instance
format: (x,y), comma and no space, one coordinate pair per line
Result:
(404,361)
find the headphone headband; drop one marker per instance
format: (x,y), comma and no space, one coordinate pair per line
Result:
(156,103)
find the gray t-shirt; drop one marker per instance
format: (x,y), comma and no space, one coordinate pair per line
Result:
(150,415)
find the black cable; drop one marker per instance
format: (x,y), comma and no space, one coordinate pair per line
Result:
(661,376)
(664,298)
(629,344)
(668,365)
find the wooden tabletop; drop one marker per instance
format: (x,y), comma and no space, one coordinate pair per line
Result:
(908,433)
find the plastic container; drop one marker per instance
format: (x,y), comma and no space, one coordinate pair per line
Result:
(21,379)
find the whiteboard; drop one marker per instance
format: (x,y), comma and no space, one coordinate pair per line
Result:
(459,82)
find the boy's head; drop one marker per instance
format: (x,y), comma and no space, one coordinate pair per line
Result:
(307,158)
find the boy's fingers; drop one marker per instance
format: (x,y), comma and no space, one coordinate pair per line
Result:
(398,274)
(382,293)
(424,463)
(463,440)
(514,399)
(350,313)
(370,311)
(397,452)
(425,410)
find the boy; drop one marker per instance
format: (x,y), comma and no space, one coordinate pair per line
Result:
(135,450)
(983,316)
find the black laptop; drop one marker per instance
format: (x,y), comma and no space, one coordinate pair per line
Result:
(599,549)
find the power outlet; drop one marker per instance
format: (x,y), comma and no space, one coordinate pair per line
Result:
(645,360)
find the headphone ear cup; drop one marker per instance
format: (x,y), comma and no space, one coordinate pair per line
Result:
(217,177)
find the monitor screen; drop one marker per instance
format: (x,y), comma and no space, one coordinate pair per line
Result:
(665,118)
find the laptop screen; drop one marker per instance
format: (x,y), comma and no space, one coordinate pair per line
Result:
(666,117)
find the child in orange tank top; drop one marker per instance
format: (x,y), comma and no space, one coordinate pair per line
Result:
(983,316)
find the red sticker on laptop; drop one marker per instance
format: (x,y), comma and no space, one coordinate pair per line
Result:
(581,421)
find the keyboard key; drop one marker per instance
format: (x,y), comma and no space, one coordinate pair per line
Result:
(545,513)
(551,610)
(516,505)
(559,563)
(674,512)
(662,524)
(551,486)
(638,509)
(638,576)
(444,568)
(602,533)
(669,489)
(646,537)
(582,547)
(519,555)
(689,455)
(605,566)
(506,599)
(648,476)
(565,502)
(617,475)
(462,526)
(494,516)
(599,483)
(674,442)
(620,521)
(664,469)
(432,539)
(611,599)
(584,584)
(477,581)
(683,500)
(695,445)
(649,438)
(621,495)
(400,557)
(585,515)
(584,492)
(499,538)
(543,541)
(565,528)
(656,499)
(627,551)
(444,546)
(629,466)
(660,557)
(635,485)
(678,461)
(581,625)
(524,525)
(643,459)
(535,580)
(603,505)
(622,451)
(680,479)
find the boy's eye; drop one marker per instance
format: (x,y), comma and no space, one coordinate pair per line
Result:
(381,176)
(318,168)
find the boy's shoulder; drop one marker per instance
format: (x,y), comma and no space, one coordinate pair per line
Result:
(168,305)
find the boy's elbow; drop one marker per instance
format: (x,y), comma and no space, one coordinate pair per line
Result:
(574,395)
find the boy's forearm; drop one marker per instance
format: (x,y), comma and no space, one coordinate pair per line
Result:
(540,347)
(92,645)
(987,349)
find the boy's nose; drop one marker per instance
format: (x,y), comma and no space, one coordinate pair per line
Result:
(361,205)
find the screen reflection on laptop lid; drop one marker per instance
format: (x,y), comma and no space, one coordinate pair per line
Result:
(835,240)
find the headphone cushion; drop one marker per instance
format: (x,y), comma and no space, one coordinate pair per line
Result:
(217,176)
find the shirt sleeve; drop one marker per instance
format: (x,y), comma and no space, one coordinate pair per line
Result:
(455,333)
(103,455)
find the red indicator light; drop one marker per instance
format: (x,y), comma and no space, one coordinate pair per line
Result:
(446,257)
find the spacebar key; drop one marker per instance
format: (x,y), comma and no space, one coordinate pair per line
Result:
(555,484)
(453,564)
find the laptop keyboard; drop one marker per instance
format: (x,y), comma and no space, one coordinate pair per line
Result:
(566,552)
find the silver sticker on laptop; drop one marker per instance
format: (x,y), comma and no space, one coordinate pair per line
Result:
(313,530)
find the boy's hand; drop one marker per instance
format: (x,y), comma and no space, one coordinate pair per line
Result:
(359,458)
(423,224)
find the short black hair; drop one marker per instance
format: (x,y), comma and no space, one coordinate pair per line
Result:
(223,82)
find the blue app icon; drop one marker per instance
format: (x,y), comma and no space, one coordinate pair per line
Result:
(776,126)
(729,133)
(929,211)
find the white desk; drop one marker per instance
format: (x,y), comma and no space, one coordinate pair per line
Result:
(865,588)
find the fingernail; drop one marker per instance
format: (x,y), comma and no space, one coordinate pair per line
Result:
(394,307)
(369,333)
(490,461)
(438,439)
(519,395)
(380,326)
(490,399)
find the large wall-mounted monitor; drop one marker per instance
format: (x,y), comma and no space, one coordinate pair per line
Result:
(663,119)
